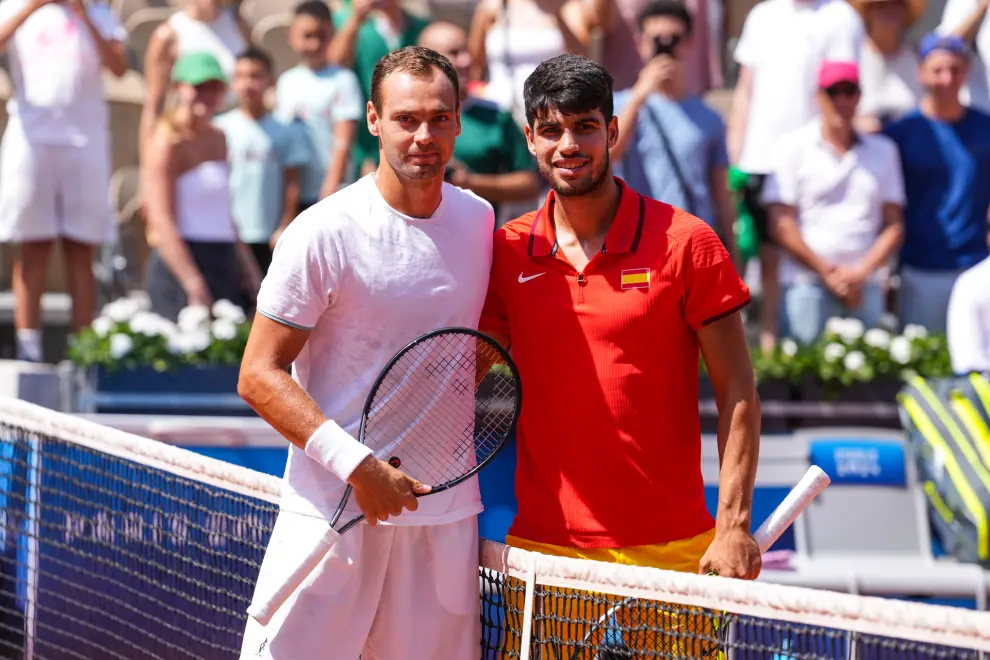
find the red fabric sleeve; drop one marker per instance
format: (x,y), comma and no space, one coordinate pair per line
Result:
(494,316)
(713,287)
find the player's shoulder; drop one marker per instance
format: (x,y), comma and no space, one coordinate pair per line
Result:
(334,215)
(466,206)
(516,233)
(674,228)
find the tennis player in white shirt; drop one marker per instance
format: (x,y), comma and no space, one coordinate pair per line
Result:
(353,279)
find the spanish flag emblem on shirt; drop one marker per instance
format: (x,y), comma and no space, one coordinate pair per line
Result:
(635,278)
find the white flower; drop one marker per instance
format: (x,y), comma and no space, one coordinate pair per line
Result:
(888,321)
(103,325)
(833,352)
(224,329)
(852,329)
(122,309)
(189,342)
(877,338)
(789,347)
(152,325)
(141,301)
(913,331)
(854,361)
(120,345)
(834,325)
(224,309)
(900,350)
(196,318)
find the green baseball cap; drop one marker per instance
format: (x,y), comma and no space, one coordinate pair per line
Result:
(197,68)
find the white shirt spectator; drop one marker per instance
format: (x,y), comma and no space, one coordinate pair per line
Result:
(890,86)
(57,74)
(368,279)
(839,197)
(220,38)
(783,42)
(968,323)
(977,93)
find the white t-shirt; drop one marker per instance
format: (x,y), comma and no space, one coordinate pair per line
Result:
(57,73)
(977,91)
(368,280)
(839,197)
(890,86)
(783,42)
(318,100)
(968,322)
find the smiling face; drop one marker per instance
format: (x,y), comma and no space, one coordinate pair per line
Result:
(572,150)
(417,124)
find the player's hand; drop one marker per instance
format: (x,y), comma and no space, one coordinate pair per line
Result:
(382,491)
(733,553)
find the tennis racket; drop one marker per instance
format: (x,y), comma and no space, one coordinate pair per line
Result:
(807,489)
(439,411)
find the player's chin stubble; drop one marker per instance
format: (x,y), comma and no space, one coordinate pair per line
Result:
(577,188)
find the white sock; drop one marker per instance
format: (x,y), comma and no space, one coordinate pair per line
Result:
(29,345)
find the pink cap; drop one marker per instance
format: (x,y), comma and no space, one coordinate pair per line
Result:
(832,73)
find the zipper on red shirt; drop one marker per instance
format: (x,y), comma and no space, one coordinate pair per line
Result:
(582,281)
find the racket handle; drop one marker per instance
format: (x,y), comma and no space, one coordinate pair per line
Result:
(813,482)
(262,610)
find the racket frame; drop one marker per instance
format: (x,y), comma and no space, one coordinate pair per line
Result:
(370,399)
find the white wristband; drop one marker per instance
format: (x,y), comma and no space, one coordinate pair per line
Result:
(336,450)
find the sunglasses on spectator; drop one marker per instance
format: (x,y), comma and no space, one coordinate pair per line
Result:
(842,89)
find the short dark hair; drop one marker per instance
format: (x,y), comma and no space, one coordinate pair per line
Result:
(568,83)
(415,60)
(671,8)
(314,9)
(255,54)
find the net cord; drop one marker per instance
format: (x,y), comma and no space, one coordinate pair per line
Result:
(920,622)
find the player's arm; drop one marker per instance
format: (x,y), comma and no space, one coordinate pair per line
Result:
(726,354)
(379,490)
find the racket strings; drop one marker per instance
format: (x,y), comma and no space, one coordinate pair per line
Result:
(446,405)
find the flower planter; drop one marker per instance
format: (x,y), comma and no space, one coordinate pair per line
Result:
(776,390)
(201,390)
(882,392)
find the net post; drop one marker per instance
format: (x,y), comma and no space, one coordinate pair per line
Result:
(527,628)
(33,542)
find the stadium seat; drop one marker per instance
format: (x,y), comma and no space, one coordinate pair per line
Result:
(272,34)
(127,8)
(254,11)
(140,26)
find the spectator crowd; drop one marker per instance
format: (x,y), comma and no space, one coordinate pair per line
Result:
(858,157)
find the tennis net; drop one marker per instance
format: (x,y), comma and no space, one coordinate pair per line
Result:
(113,546)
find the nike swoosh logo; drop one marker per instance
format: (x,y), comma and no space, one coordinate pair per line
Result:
(531,277)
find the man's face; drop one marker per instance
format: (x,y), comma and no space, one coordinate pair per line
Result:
(450,41)
(418,123)
(572,150)
(669,31)
(203,100)
(251,80)
(310,37)
(838,103)
(943,73)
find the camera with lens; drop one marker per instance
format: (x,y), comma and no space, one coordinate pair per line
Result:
(665,44)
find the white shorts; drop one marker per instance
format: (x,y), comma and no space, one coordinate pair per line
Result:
(387,592)
(50,191)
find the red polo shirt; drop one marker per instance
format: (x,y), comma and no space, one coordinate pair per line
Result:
(609,439)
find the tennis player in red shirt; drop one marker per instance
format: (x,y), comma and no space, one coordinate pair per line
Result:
(606,298)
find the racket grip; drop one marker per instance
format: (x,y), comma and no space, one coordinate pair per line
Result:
(812,483)
(263,609)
